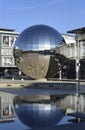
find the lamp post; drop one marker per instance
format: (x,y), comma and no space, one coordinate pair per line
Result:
(77,32)
(78,71)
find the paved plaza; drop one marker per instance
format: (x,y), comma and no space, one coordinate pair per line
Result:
(23,87)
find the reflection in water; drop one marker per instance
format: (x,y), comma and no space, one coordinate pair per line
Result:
(46,110)
(7,112)
(69,103)
(38,110)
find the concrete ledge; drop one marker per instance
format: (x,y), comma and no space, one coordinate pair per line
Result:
(38,84)
(12,85)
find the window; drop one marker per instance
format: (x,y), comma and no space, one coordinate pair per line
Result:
(8,41)
(7,61)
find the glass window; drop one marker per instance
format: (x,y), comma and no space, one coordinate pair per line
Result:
(5,41)
(8,41)
(7,61)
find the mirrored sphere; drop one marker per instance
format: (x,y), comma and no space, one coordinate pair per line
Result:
(38,110)
(34,51)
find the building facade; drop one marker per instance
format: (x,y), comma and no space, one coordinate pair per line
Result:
(7,39)
(75,52)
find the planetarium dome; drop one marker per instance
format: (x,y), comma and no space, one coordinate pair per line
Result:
(33,51)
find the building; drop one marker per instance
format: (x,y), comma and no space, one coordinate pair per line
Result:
(75,52)
(70,52)
(7,39)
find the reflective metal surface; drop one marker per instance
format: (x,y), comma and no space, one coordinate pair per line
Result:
(38,110)
(34,51)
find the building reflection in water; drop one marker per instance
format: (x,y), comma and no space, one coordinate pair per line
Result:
(7,112)
(39,110)
(42,110)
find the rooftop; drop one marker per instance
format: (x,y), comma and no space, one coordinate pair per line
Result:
(77,31)
(7,29)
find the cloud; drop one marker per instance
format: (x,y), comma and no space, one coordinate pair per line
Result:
(57,1)
(22,8)
(53,2)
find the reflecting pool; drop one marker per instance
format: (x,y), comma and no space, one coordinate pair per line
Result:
(35,110)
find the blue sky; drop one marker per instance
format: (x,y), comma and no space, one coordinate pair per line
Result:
(63,15)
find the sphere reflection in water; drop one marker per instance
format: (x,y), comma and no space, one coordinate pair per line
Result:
(33,51)
(38,110)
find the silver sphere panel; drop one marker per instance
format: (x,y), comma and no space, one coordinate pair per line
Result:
(32,51)
(38,110)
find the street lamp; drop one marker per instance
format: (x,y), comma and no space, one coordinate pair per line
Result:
(77,32)
(78,71)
